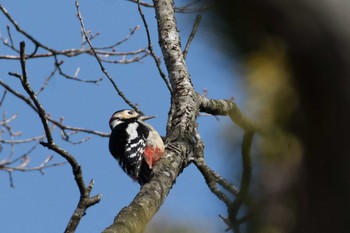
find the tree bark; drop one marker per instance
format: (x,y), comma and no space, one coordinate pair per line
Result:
(181,123)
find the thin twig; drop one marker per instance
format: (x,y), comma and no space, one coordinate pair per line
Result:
(104,71)
(10,37)
(8,165)
(210,176)
(136,28)
(3,97)
(5,121)
(193,33)
(150,47)
(125,61)
(46,82)
(19,29)
(55,122)
(182,9)
(75,77)
(21,141)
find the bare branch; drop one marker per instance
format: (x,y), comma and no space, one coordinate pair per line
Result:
(19,29)
(150,47)
(211,177)
(8,165)
(6,121)
(104,71)
(72,128)
(75,76)
(28,89)
(85,200)
(10,37)
(3,97)
(228,107)
(193,33)
(136,28)
(184,109)
(133,218)
(77,52)
(235,206)
(124,60)
(142,3)
(21,141)
(46,82)
(23,166)
(182,9)
(55,122)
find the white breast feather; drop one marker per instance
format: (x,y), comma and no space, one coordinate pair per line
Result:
(131,130)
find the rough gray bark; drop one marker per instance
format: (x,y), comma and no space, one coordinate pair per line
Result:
(184,110)
(183,142)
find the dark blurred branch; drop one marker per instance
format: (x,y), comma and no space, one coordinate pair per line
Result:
(241,197)
(228,107)
(210,176)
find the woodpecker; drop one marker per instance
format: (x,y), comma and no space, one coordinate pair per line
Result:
(135,144)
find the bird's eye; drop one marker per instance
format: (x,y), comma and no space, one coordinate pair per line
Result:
(130,112)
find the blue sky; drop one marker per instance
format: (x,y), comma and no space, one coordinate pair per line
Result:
(44,203)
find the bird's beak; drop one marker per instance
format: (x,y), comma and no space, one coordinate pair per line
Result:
(144,118)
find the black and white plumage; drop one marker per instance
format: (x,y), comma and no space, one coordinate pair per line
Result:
(135,144)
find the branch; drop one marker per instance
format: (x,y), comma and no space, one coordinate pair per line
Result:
(210,176)
(228,107)
(234,207)
(119,42)
(182,9)
(193,33)
(31,93)
(134,218)
(150,47)
(104,71)
(3,98)
(85,200)
(51,120)
(75,76)
(21,141)
(19,29)
(9,165)
(184,109)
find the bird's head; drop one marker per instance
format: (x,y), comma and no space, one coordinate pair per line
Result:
(126,115)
